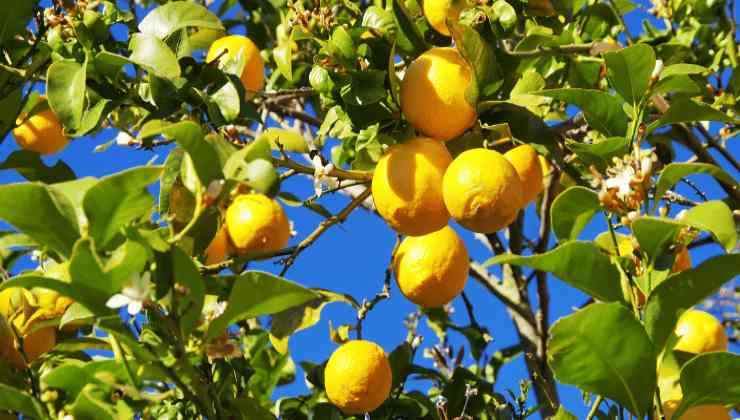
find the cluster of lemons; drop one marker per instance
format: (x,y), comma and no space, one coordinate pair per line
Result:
(417,187)
(25,333)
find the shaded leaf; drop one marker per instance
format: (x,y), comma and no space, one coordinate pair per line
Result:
(656,234)
(409,38)
(16,400)
(30,166)
(585,350)
(189,304)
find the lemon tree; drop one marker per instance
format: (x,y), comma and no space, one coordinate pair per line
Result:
(564,169)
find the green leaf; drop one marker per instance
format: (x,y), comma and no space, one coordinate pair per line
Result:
(656,234)
(40,213)
(290,321)
(237,162)
(189,136)
(228,99)
(364,88)
(572,210)
(681,291)
(169,176)
(629,71)
(171,17)
(603,349)
(575,263)
(401,359)
(189,304)
(684,109)
(257,293)
(75,191)
(716,218)
(601,153)
(92,117)
(481,58)
(91,403)
(30,166)
(682,69)
(16,400)
(152,54)
(673,172)
(409,38)
(283,55)
(65,89)
(709,379)
(250,409)
(602,111)
(10,107)
(14,19)
(76,313)
(87,273)
(118,200)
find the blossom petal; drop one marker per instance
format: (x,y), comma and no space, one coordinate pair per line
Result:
(134,307)
(117,301)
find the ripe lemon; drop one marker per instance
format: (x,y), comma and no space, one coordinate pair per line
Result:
(526,162)
(253,73)
(219,248)
(41,133)
(257,223)
(482,190)
(433,94)
(358,377)
(407,186)
(438,11)
(699,412)
(35,343)
(432,269)
(700,332)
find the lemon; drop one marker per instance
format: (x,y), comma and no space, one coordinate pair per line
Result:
(253,73)
(257,223)
(358,377)
(482,190)
(35,343)
(407,186)
(438,11)
(219,248)
(526,162)
(699,412)
(700,332)
(433,94)
(432,269)
(41,133)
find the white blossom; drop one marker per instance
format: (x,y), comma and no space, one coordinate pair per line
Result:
(124,139)
(213,310)
(321,178)
(621,181)
(657,69)
(133,295)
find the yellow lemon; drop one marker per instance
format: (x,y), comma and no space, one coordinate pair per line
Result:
(358,377)
(682,261)
(438,11)
(700,332)
(219,248)
(407,186)
(253,74)
(432,269)
(41,133)
(482,190)
(526,162)
(699,412)
(257,223)
(433,94)
(34,344)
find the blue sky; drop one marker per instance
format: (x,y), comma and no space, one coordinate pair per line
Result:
(351,258)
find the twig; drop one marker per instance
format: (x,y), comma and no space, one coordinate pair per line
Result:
(323,227)
(620,18)
(595,407)
(712,142)
(543,294)
(549,50)
(292,112)
(336,172)
(469,309)
(481,274)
